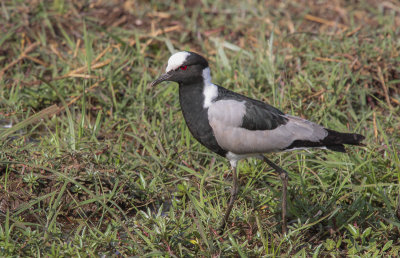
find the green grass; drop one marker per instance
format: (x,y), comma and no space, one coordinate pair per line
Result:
(112,168)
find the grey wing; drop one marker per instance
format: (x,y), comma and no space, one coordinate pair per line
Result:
(226,119)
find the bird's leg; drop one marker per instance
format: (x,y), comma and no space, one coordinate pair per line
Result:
(234,191)
(285,178)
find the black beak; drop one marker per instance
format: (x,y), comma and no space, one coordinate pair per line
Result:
(162,78)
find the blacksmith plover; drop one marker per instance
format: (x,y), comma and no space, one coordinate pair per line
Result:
(237,127)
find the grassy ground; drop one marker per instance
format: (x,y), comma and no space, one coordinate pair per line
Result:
(98,163)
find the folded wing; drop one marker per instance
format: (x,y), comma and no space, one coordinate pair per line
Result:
(244,126)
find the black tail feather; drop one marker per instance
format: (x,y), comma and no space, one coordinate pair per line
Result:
(338,148)
(333,141)
(335,137)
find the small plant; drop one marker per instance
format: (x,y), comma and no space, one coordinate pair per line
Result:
(31,180)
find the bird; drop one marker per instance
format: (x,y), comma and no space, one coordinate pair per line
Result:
(237,127)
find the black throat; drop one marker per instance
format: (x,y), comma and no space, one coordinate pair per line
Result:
(191,99)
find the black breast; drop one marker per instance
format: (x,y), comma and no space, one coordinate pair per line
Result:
(191,99)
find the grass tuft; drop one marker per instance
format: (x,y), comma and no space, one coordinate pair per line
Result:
(93,162)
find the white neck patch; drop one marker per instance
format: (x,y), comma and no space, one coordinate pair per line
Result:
(210,91)
(176,60)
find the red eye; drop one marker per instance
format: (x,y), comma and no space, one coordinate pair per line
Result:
(184,67)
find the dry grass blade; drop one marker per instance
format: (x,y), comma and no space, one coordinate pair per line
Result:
(21,56)
(54,109)
(385,90)
(324,21)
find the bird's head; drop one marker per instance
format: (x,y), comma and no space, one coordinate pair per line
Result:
(185,67)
